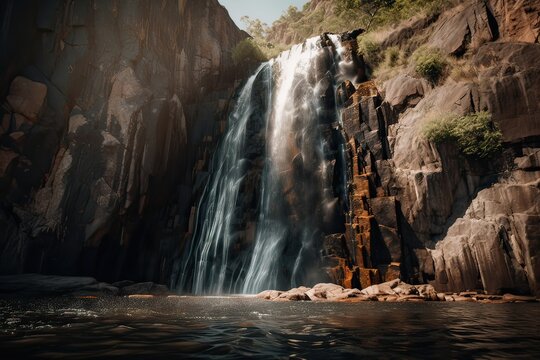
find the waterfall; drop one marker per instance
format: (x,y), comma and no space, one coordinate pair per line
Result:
(289,105)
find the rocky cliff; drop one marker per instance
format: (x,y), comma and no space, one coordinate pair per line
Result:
(425,212)
(112,109)
(109,112)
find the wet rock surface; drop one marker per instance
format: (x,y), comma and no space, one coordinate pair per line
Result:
(37,285)
(390,291)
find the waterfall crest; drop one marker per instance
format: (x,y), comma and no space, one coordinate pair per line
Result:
(294,182)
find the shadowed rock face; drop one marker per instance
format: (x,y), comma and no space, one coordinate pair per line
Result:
(108,108)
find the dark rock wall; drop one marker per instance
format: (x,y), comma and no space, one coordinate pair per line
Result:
(110,112)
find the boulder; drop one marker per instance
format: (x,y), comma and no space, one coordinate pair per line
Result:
(404,291)
(123,283)
(411,298)
(48,285)
(26,97)
(269,294)
(462,28)
(147,288)
(517,298)
(331,292)
(295,294)
(530,161)
(97,290)
(386,288)
(404,91)
(428,292)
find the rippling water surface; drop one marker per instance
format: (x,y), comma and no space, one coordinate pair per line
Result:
(235,327)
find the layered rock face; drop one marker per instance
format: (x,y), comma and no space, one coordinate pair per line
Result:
(426,213)
(110,109)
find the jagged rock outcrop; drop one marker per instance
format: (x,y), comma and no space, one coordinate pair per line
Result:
(508,87)
(454,221)
(108,125)
(463,28)
(110,111)
(517,20)
(492,246)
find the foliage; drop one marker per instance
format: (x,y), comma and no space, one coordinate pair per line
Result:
(369,49)
(371,8)
(392,56)
(430,63)
(463,70)
(385,12)
(255,27)
(247,51)
(475,134)
(336,16)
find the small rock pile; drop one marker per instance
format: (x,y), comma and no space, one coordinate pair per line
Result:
(391,291)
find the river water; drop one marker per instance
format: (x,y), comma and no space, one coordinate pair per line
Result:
(239,327)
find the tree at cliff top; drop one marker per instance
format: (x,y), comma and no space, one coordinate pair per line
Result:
(318,16)
(370,7)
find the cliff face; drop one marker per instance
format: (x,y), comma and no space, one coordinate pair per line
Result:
(111,111)
(108,106)
(425,213)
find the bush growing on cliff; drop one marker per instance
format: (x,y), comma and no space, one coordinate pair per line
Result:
(379,13)
(392,56)
(430,63)
(475,134)
(247,51)
(369,49)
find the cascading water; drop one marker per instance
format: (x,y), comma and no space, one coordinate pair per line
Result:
(290,103)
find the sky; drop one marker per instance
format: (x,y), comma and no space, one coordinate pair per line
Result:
(266,10)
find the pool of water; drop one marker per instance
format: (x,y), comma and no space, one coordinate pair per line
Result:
(236,327)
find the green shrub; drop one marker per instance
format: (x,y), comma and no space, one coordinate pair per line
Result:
(439,129)
(430,63)
(475,134)
(247,51)
(369,49)
(392,55)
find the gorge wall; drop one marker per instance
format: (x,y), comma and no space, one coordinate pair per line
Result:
(112,111)
(107,109)
(426,213)
(413,210)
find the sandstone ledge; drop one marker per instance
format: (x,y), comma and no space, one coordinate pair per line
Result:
(391,291)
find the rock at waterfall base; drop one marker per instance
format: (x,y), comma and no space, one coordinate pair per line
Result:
(390,291)
(37,285)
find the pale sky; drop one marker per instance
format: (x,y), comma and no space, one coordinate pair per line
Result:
(266,10)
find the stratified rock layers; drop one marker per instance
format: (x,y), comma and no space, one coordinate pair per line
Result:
(426,213)
(111,113)
(109,105)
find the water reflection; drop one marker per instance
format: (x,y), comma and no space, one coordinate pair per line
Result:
(246,327)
